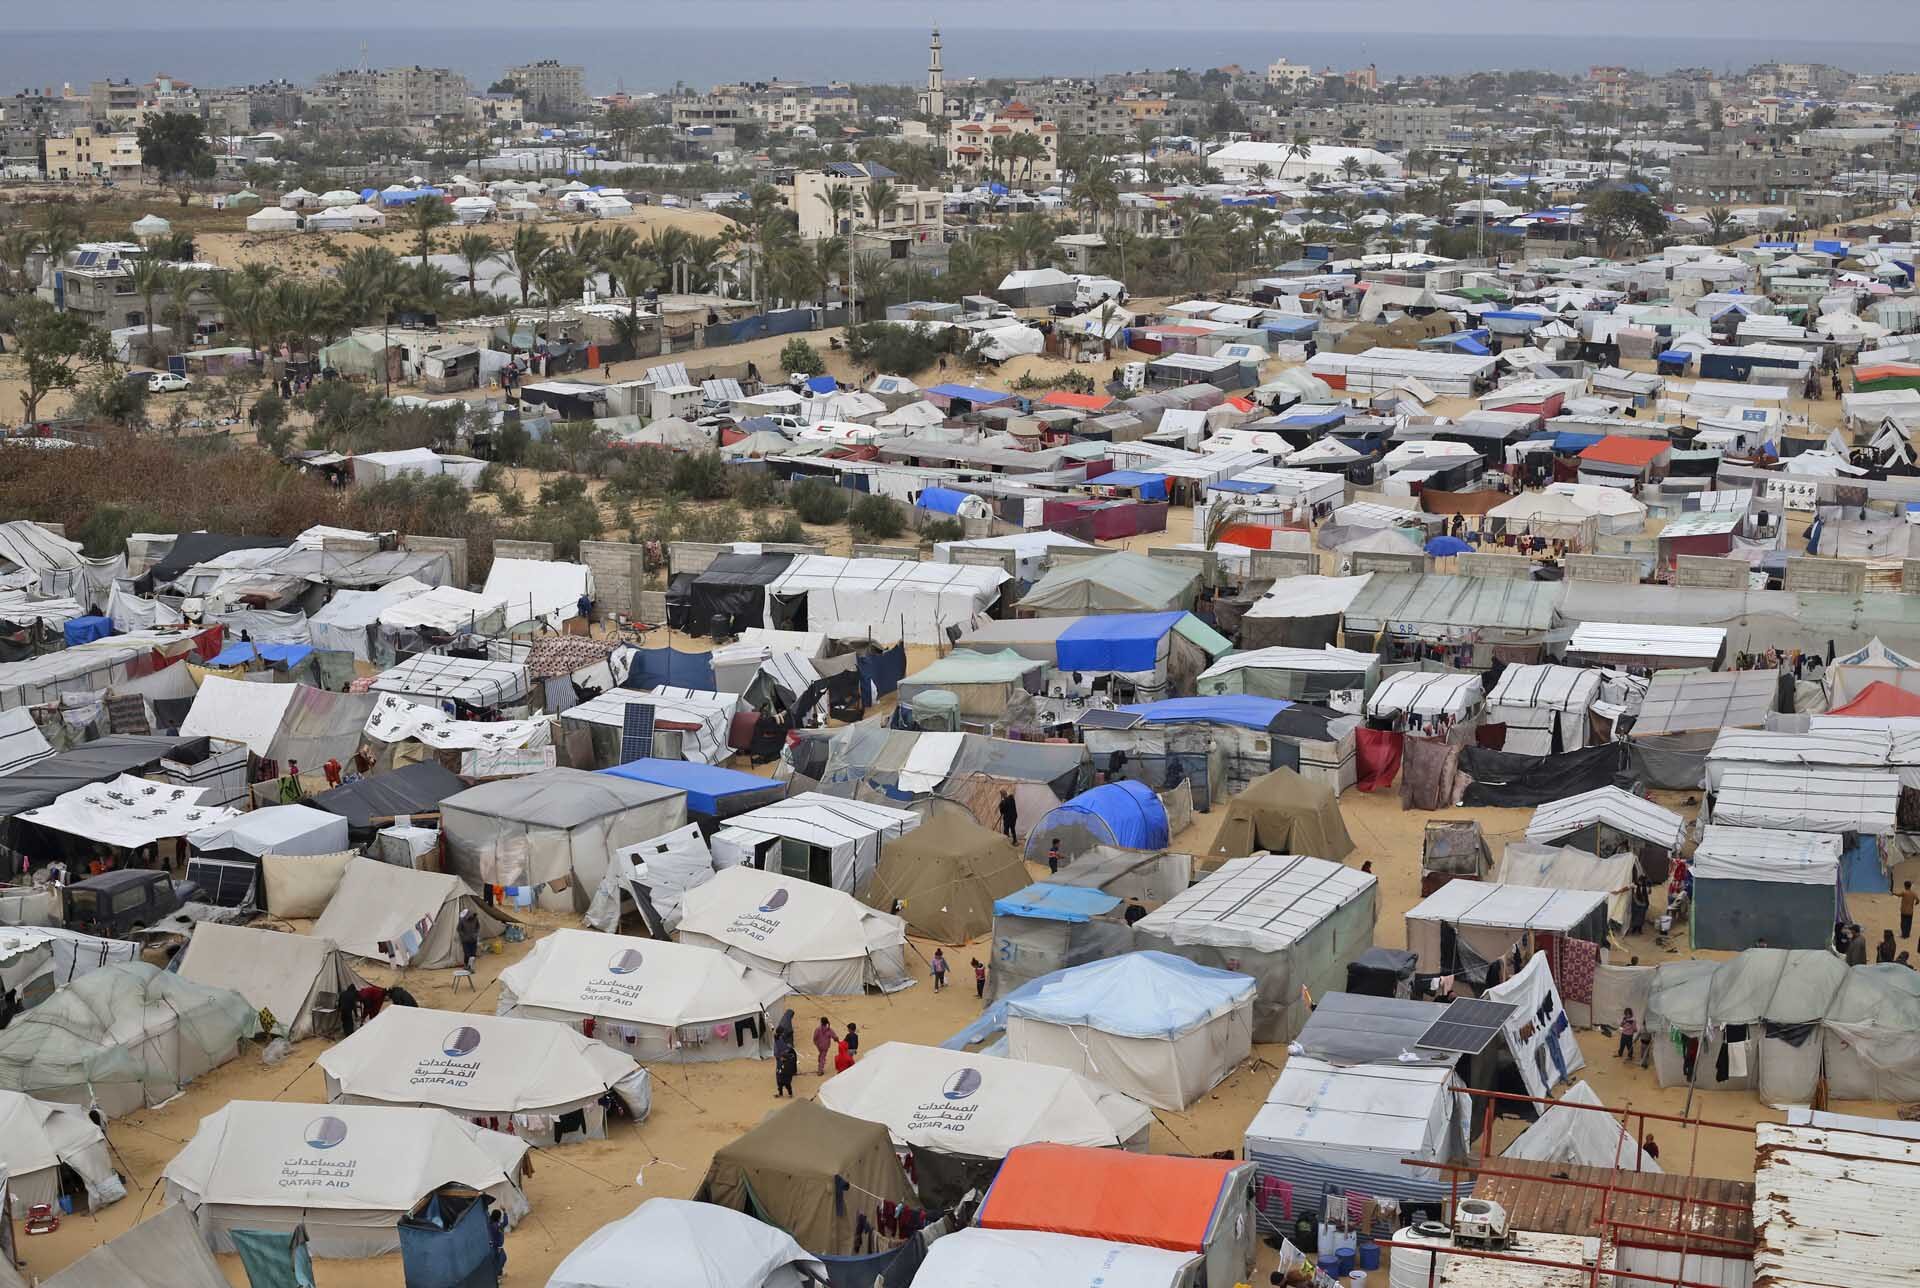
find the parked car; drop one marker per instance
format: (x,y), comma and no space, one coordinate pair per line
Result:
(114,903)
(167,382)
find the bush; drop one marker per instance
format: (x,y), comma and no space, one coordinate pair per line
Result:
(876,518)
(114,398)
(942,529)
(754,487)
(715,526)
(699,476)
(798,355)
(817,501)
(786,528)
(511,442)
(903,350)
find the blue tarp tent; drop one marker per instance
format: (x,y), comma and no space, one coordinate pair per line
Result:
(84,630)
(653,667)
(1462,342)
(823,384)
(1126,814)
(1675,357)
(1568,441)
(977,396)
(1291,326)
(1245,710)
(1113,642)
(941,500)
(1443,547)
(1140,995)
(1238,485)
(1312,419)
(1152,487)
(1830,247)
(1049,902)
(240,652)
(709,788)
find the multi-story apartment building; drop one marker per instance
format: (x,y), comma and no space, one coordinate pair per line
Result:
(395,93)
(110,101)
(781,105)
(1289,76)
(550,86)
(913,213)
(1382,125)
(711,111)
(94,281)
(1769,178)
(971,145)
(86,153)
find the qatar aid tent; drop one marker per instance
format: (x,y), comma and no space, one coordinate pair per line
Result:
(945,876)
(976,1258)
(347,1173)
(960,1114)
(164,1251)
(817,940)
(1284,813)
(1544,708)
(828,840)
(1126,815)
(123,1036)
(810,1172)
(524,1074)
(655,1000)
(554,830)
(1292,923)
(1296,674)
(1199,1206)
(295,978)
(686,1244)
(919,601)
(1762,885)
(377,910)
(1345,1128)
(1157,1027)
(37,1139)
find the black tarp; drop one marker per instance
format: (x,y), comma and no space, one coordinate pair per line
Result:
(192,548)
(93,762)
(1303,720)
(413,789)
(734,587)
(1507,778)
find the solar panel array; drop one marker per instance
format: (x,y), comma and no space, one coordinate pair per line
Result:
(1468,1026)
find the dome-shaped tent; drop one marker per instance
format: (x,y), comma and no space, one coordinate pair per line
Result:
(151,226)
(1126,815)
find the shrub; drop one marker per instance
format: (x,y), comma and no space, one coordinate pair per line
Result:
(818,501)
(785,527)
(876,518)
(716,526)
(798,355)
(942,529)
(754,487)
(700,476)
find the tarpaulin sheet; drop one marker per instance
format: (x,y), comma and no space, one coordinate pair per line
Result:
(1127,812)
(1431,774)
(243,651)
(192,548)
(1114,642)
(1511,778)
(83,630)
(1244,710)
(942,500)
(1377,754)
(1153,487)
(881,672)
(705,785)
(416,789)
(654,667)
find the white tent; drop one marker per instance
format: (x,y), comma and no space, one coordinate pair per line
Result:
(1587,1137)
(37,1139)
(1489,919)
(1294,674)
(526,1073)
(655,1000)
(699,718)
(688,1245)
(348,1173)
(417,462)
(151,226)
(298,199)
(1156,1027)
(1617,509)
(296,978)
(555,830)
(816,939)
(273,219)
(1428,694)
(1328,1127)
(343,624)
(377,910)
(1543,707)
(1606,809)
(449,610)
(339,197)
(279,721)
(128,812)
(1559,867)
(919,601)
(830,840)
(275,829)
(163,1251)
(538,589)
(984,1105)
(979,1258)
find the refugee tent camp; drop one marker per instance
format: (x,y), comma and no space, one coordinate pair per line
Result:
(817,940)
(1119,582)
(1562,867)
(281,722)
(655,1000)
(1584,1137)
(977,1258)
(123,1036)
(346,1173)
(1489,921)
(372,802)
(713,793)
(1755,886)
(1203,1206)
(1544,708)
(1297,674)
(795,1169)
(1126,815)
(985,1107)
(531,1075)
(295,978)
(377,909)
(1159,654)
(995,689)
(1292,923)
(1608,821)
(691,1245)
(918,601)
(164,1251)
(1216,746)
(827,840)
(1284,813)
(944,877)
(1153,1026)
(554,830)
(39,1142)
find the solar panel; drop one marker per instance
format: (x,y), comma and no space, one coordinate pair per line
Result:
(1102,718)
(1467,1027)
(636,732)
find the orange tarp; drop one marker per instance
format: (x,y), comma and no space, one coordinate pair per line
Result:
(1151,1199)
(1617,449)
(1883,700)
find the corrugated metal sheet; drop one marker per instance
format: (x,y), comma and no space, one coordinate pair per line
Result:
(1834,1209)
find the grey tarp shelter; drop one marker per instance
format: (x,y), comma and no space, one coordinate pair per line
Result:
(1121,582)
(1771,886)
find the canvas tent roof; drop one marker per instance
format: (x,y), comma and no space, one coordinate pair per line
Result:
(48,779)
(1268,903)
(412,789)
(946,877)
(853,832)
(478,682)
(1361,1118)
(919,600)
(1686,701)
(21,742)
(1283,813)
(164,1251)
(987,1105)
(1121,582)
(1138,994)
(582,972)
(1584,1137)
(1556,867)
(276,829)
(1767,854)
(977,1258)
(1620,810)
(37,1138)
(1426,693)
(1561,688)
(129,812)
(285,974)
(701,716)
(380,903)
(817,939)
(1809,798)
(1639,639)
(689,1245)
(1483,903)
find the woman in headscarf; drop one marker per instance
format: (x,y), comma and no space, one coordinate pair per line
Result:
(786,1060)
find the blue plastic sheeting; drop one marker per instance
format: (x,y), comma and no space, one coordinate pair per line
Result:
(272,1261)
(1313,419)
(881,673)
(1136,995)
(1830,247)
(1116,642)
(941,500)
(1467,344)
(1153,487)
(1568,441)
(823,384)
(1241,709)
(1860,868)
(971,393)
(243,651)
(1127,812)
(1238,485)
(84,630)
(1442,547)
(705,785)
(1046,901)
(442,1249)
(653,667)
(1680,357)
(1291,326)
(1505,316)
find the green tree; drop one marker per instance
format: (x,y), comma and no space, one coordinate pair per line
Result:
(876,518)
(1821,117)
(150,277)
(53,350)
(423,217)
(1719,224)
(576,438)
(524,253)
(174,146)
(797,355)
(270,423)
(1618,215)
(475,249)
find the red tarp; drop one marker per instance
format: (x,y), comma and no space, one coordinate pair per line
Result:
(1881,699)
(1377,753)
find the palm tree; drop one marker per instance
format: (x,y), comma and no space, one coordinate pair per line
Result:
(1376,171)
(634,274)
(17,246)
(150,277)
(1350,168)
(1719,223)
(838,199)
(476,249)
(1300,149)
(524,253)
(1028,238)
(426,215)
(1262,173)
(1143,136)
(880,196)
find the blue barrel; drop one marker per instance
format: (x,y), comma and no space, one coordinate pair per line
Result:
(1330,1266)
(1369,1255)
(1345,1257)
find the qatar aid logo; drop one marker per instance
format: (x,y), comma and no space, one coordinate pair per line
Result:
(325,1132)
(461,1041)
(775,902)
(624,962)
(962,1085)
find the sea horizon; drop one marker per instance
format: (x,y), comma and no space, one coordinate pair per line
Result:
(640,60)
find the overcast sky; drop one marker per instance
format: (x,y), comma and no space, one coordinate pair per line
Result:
(1895,21)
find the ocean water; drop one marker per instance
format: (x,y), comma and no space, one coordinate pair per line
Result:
(639,58)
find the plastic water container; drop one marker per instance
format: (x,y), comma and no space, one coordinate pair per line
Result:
(1357,1279)
(1345,1256)
(1330,1267)
(1346,1241)
(1369,1255)
(1409,1266)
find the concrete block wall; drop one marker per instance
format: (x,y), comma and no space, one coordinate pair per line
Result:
(619,577)
(1910,576)
(1207,562)
(1273,565)
(1614,569)
(904,554)
(1709,572)
(1392,565)
(1815,576)
(1487,565)
(455,548)
(541,551)
(692,556)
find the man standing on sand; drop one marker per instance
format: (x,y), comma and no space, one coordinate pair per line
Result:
(1009,814)
(824,1039)
(1907,901)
